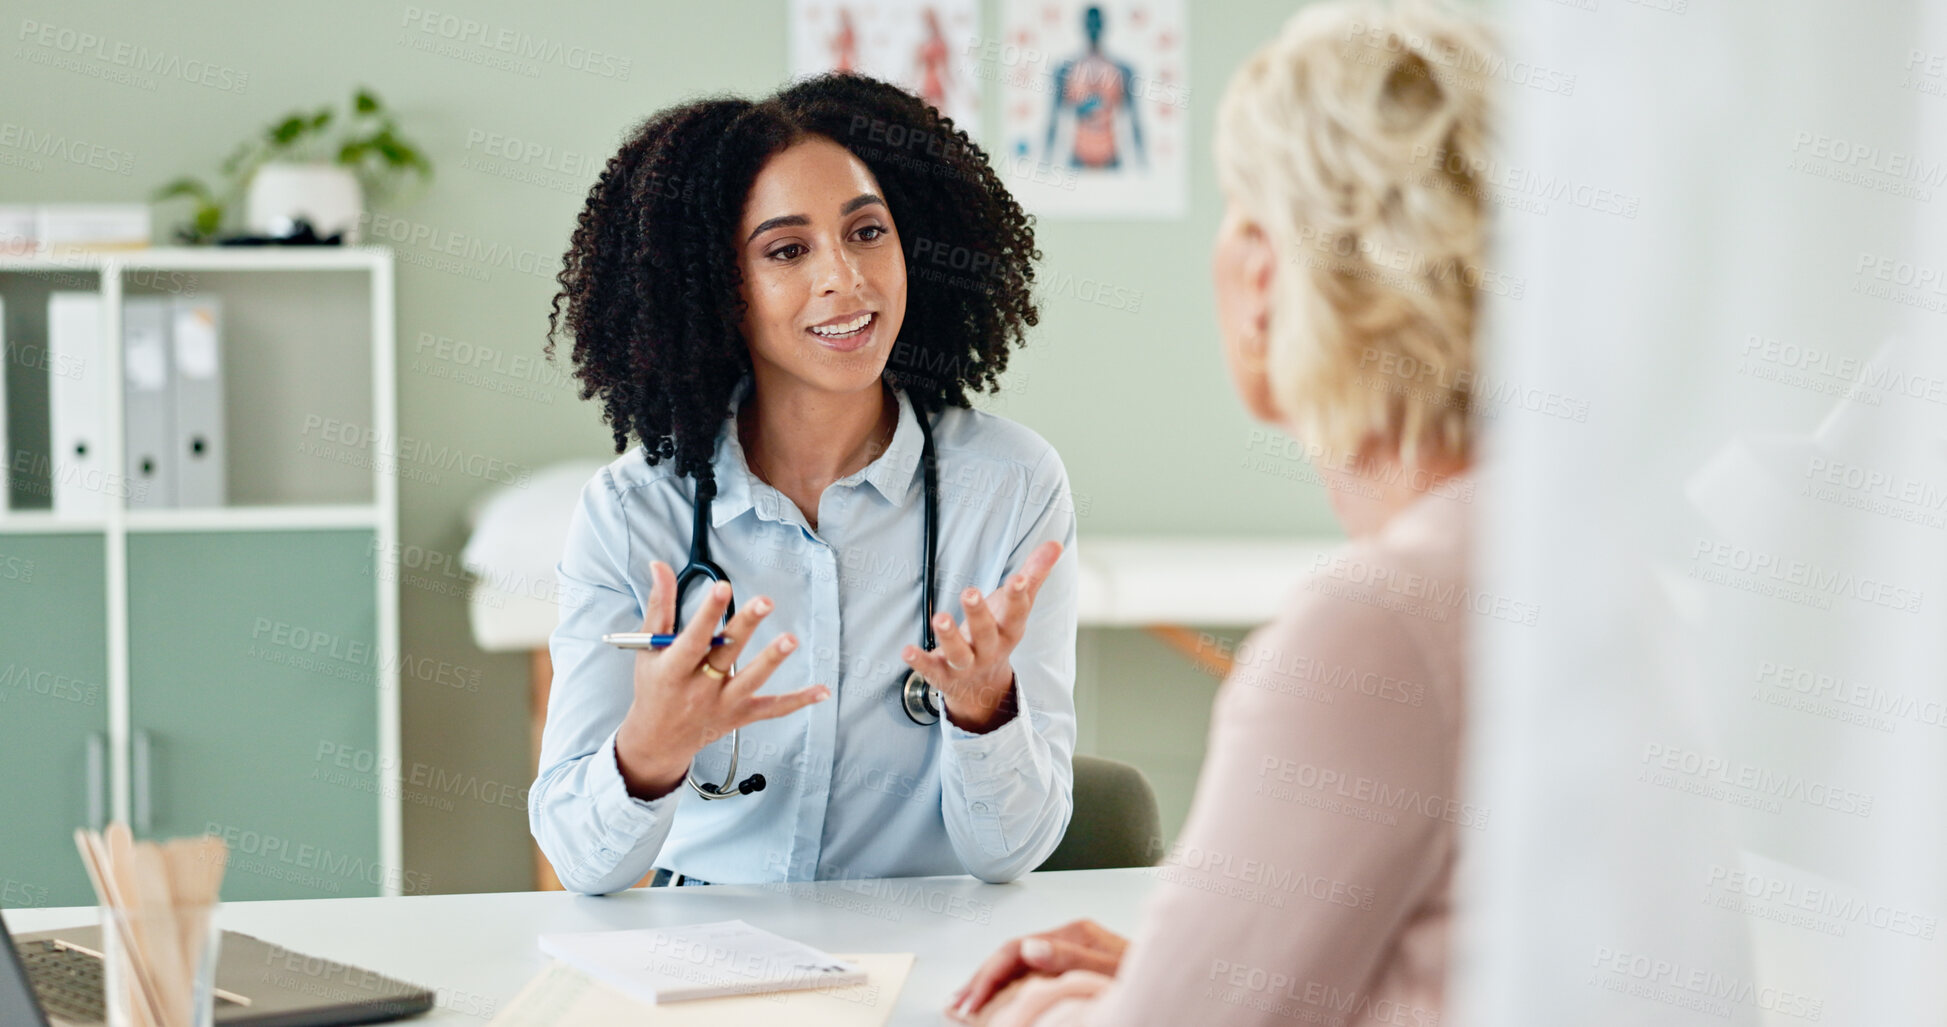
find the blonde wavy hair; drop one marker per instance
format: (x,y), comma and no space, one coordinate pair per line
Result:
(1358,141)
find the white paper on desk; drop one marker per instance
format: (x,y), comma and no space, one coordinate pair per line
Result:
(677,964)
(563,996)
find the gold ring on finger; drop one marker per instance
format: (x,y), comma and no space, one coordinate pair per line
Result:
(715,674)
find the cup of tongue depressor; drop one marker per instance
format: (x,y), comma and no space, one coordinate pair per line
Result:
(158,925)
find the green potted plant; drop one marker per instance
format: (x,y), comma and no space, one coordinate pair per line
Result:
(299,168)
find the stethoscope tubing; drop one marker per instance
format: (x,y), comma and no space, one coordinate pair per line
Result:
(916,696)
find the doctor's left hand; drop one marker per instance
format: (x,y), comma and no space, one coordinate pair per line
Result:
(970,666)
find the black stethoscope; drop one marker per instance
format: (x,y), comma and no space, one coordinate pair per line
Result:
(919,699)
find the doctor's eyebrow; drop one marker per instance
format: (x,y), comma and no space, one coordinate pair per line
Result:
(799,220)
(861,200)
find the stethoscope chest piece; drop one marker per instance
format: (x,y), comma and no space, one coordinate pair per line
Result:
(920,700)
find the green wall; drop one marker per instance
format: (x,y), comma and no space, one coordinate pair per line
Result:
(1137,403)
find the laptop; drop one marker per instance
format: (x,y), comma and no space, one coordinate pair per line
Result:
(54,979)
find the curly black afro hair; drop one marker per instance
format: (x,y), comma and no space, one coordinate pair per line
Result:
(651,282)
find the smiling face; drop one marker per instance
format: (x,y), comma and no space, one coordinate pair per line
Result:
(824,278)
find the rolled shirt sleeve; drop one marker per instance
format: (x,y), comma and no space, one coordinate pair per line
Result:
(1007,795)
(598,837)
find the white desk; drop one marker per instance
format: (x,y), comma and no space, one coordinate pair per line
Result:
(478,951)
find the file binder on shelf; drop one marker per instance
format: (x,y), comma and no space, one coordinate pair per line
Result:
(77,400)
(200,457)
(149,403)
(95,226)
(19,229)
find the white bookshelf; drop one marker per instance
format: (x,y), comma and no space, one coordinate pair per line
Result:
(371,502)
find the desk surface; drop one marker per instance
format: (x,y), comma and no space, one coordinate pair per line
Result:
(478,951)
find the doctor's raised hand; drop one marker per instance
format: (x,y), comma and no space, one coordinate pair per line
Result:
(970,666)
(686,695)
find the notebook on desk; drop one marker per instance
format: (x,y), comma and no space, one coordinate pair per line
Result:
(696,961)
(565,997)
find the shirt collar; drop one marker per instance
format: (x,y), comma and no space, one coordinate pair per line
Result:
(738,489)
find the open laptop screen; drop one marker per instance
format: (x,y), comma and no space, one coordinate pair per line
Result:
(17,1002)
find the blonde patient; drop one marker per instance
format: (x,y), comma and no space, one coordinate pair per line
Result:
(1347,270)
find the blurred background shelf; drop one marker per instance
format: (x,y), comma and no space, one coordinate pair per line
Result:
(222,518)
(205,258)
(152,652)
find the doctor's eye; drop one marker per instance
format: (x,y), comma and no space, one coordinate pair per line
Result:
(870,233)
(788,251)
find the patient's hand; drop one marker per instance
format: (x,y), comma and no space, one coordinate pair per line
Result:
(1082,945)
(999,1001)
(1024,1002)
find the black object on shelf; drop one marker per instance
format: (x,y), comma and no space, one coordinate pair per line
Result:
(301,234)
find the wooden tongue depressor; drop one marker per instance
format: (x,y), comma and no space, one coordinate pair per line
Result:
(178,864)
(121,868)
(160,933)
(211,856)
(195,868)
(141,997)
(166,895)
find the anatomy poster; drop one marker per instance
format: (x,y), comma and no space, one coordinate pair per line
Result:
(922,45)
(1094,106)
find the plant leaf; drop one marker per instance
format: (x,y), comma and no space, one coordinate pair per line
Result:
(236,159)
(411,158)
(287,130)
(184,187)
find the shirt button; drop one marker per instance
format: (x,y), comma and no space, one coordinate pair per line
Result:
(980,807)
(980,755)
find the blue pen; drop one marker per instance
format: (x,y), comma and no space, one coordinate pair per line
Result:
(644,640)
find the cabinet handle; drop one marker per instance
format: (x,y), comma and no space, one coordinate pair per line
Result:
(98,780)
(139,773)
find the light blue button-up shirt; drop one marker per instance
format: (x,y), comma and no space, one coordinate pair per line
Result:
(853,788)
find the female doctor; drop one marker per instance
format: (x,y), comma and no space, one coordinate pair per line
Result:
(787,302)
